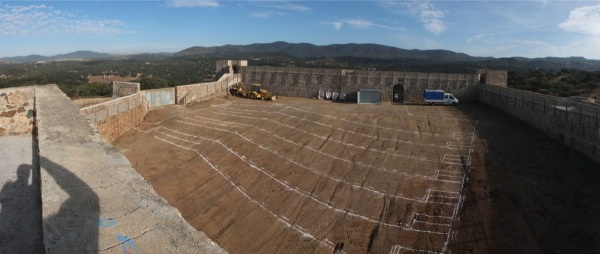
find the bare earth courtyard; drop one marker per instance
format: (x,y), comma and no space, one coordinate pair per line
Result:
(310,176)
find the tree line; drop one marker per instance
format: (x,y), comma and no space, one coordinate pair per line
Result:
(563,83)
(72,76)
(156,71)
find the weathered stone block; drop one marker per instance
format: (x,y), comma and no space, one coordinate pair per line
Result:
(8,114)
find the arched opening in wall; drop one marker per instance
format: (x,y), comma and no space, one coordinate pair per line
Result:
(398,95)
(482,78)
(236,69)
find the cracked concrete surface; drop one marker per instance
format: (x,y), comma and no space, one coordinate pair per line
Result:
(92,198)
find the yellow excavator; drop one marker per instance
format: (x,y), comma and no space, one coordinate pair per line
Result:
(255,92)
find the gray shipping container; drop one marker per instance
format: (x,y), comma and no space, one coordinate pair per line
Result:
(369,96)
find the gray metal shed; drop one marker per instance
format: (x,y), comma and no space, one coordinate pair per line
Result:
(369,96)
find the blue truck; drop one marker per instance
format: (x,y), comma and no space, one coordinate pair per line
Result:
(439,97)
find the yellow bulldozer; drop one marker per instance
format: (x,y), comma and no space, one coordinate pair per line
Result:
(255,92)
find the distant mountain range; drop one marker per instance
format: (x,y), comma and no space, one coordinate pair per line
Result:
(77,55)
(362,51)
(306,50)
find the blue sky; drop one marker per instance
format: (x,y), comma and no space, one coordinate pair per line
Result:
(479,28)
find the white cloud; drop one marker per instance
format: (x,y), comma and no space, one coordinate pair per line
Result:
(430,15)
(42,20)
(336,24)
(503,47)
(390,27)
(266,14)
(359,23)
(475,38)
(585,46)
(284,7)
(192,3)
(291,7)
(432,18)
(583,20)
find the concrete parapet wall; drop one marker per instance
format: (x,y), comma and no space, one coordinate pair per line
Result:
(92,198)
(160,97)
(122,88)
(307,82)
(575,124)
(16,111)
(193,93)
(116,117)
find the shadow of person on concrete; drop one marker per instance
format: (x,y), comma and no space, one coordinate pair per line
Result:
(20,201)
(74,227)
(20,213)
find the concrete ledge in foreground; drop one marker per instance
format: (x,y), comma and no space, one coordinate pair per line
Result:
(92,198)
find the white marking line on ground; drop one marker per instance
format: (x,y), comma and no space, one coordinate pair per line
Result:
(346,212)
(373,150)
(333,127)
(243,192)
(328,241)
(363,124)
(331,156)
(259,104)
(397,248)
(448,161)
(451,157)
(455,145)
(444,175)
(450,171)
(336,118)
(430,223)
(460,135)
(454,159)
(429,195)
(425,199)
(415,219)
(434,216)
(462,188)
(146,131)
(355,186)
(407,111)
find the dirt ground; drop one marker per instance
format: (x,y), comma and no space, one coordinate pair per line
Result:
(312,176)
(526,192)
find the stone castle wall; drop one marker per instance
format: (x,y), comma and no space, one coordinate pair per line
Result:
(116,117)
(16,111)
(307,82)
(194,93)
(122,88)
(493,77)
(576,124)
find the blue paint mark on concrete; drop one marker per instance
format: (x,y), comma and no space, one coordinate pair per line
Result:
(126,241)
(107,222)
